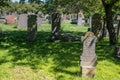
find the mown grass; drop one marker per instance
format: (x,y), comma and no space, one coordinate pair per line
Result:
(45,60)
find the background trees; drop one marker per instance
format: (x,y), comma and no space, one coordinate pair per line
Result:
(106,8)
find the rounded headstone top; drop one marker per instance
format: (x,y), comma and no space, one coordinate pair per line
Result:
(89,33)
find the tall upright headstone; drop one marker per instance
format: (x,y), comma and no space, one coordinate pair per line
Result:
(97,25)
(22,20)
(56,20)
(118,18)
(80,18)
(39,20)
(88,57)
(32,27)
(0,32)
(63,17)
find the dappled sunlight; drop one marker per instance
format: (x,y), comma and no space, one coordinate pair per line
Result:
(51,60)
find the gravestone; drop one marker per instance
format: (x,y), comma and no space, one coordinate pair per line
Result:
(118,25)
(2,20)
(97,25)
(0,32)
(10,19)
(32,27)
(117,51)
(22,20)
(64,17)
(88,57)
(80,18)
(56,20)
(39,20)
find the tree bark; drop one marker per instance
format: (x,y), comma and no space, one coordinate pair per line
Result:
(109,25)
(109,20)
(104,28)
(56,21)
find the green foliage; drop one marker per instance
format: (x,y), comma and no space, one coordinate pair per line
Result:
(116,8)
(4,2)
(48,60)
(22,7)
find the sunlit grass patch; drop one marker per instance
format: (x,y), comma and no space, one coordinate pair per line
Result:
(45,60)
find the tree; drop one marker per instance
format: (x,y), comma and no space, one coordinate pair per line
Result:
(108,5)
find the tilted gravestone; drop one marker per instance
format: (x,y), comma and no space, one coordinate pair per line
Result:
(88,57)
(10,19)
(97,25)
(32,27)
(22,20)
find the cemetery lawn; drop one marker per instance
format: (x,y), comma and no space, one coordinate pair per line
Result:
(45,60)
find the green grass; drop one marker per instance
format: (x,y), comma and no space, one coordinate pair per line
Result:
(45,60)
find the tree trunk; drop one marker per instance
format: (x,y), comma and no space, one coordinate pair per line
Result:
(56,20)
(109,25)
(104,32)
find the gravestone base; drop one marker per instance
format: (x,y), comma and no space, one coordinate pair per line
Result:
(87,71)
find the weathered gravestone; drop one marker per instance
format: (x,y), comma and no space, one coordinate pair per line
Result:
(22,20)
(97,25)
(2,20)
(10,19)
(0,32)
(88,57)
(118,19)
(32,27)
(117,51)
(63,17)
(80,18)
(39,20)
(56,20)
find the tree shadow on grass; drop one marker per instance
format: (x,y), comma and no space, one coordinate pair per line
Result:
(62,57)
(62,54)
(106,52)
